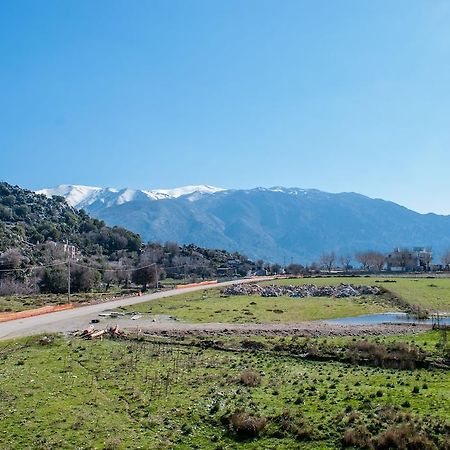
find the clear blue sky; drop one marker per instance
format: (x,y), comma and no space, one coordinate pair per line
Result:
(335,95)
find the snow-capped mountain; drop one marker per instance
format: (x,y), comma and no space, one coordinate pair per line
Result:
(76,196)
(275,224)
(80,196)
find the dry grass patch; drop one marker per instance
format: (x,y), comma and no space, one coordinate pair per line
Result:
(250,378)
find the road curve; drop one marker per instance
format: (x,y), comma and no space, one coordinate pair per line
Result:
(71,319)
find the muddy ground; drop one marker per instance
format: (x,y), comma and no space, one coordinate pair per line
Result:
(167,327)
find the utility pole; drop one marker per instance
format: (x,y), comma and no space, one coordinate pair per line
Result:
(35,281)
(156,276)
(68,272)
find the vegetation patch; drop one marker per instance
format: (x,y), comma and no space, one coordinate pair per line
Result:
(162,393)
(410,290)
(211,306)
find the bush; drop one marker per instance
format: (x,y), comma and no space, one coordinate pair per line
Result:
(403,437)
(296,426)
(250,378)
(9,286)
(54,280)
(397,355)
(358,437)
(245,425)
(84,279)
(252,345)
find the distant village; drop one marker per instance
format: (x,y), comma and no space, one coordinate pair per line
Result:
(406,260)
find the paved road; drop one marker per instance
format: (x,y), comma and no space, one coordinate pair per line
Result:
(78,318)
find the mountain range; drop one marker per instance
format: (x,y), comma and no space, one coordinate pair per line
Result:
(276,224)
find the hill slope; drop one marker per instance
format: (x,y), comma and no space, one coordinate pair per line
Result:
(34,255)
(27,219)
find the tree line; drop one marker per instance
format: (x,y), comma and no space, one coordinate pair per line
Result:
(373,261)
(148,267)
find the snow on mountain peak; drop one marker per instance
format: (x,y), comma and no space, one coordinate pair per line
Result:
(76,195)
(80,196)
(186,190)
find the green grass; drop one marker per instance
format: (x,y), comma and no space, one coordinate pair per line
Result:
(429,293)
(210,306)
(117,395)
(429,341)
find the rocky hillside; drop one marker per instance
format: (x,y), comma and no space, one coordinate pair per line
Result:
(39,234)
(28,219)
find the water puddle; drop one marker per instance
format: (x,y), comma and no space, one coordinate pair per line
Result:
(392,317)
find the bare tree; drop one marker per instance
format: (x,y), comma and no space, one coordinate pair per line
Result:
(345,262)
(376,261)
(371,261)
(446,259)
(364,259)
(313,267)
(110,277)
(11,259)
(153,253)
(327,260)
(10,286)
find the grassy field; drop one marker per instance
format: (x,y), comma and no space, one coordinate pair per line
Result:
(230,392)
(210,306)
(429,293)
(160,395)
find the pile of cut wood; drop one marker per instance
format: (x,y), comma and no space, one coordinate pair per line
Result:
(92,333)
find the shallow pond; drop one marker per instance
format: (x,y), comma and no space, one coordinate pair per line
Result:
(376,319)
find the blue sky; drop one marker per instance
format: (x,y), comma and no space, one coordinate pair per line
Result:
(339,96)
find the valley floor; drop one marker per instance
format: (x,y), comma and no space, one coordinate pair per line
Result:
(262,376)
(156,393)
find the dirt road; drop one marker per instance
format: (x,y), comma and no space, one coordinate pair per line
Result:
(311,329)
(78,318)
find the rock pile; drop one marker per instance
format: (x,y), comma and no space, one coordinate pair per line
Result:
(301,291)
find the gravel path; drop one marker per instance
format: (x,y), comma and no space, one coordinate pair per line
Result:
(79,318)
(305,329)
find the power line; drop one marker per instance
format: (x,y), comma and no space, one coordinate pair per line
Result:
(127,270)
(102,269)
(19,269)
